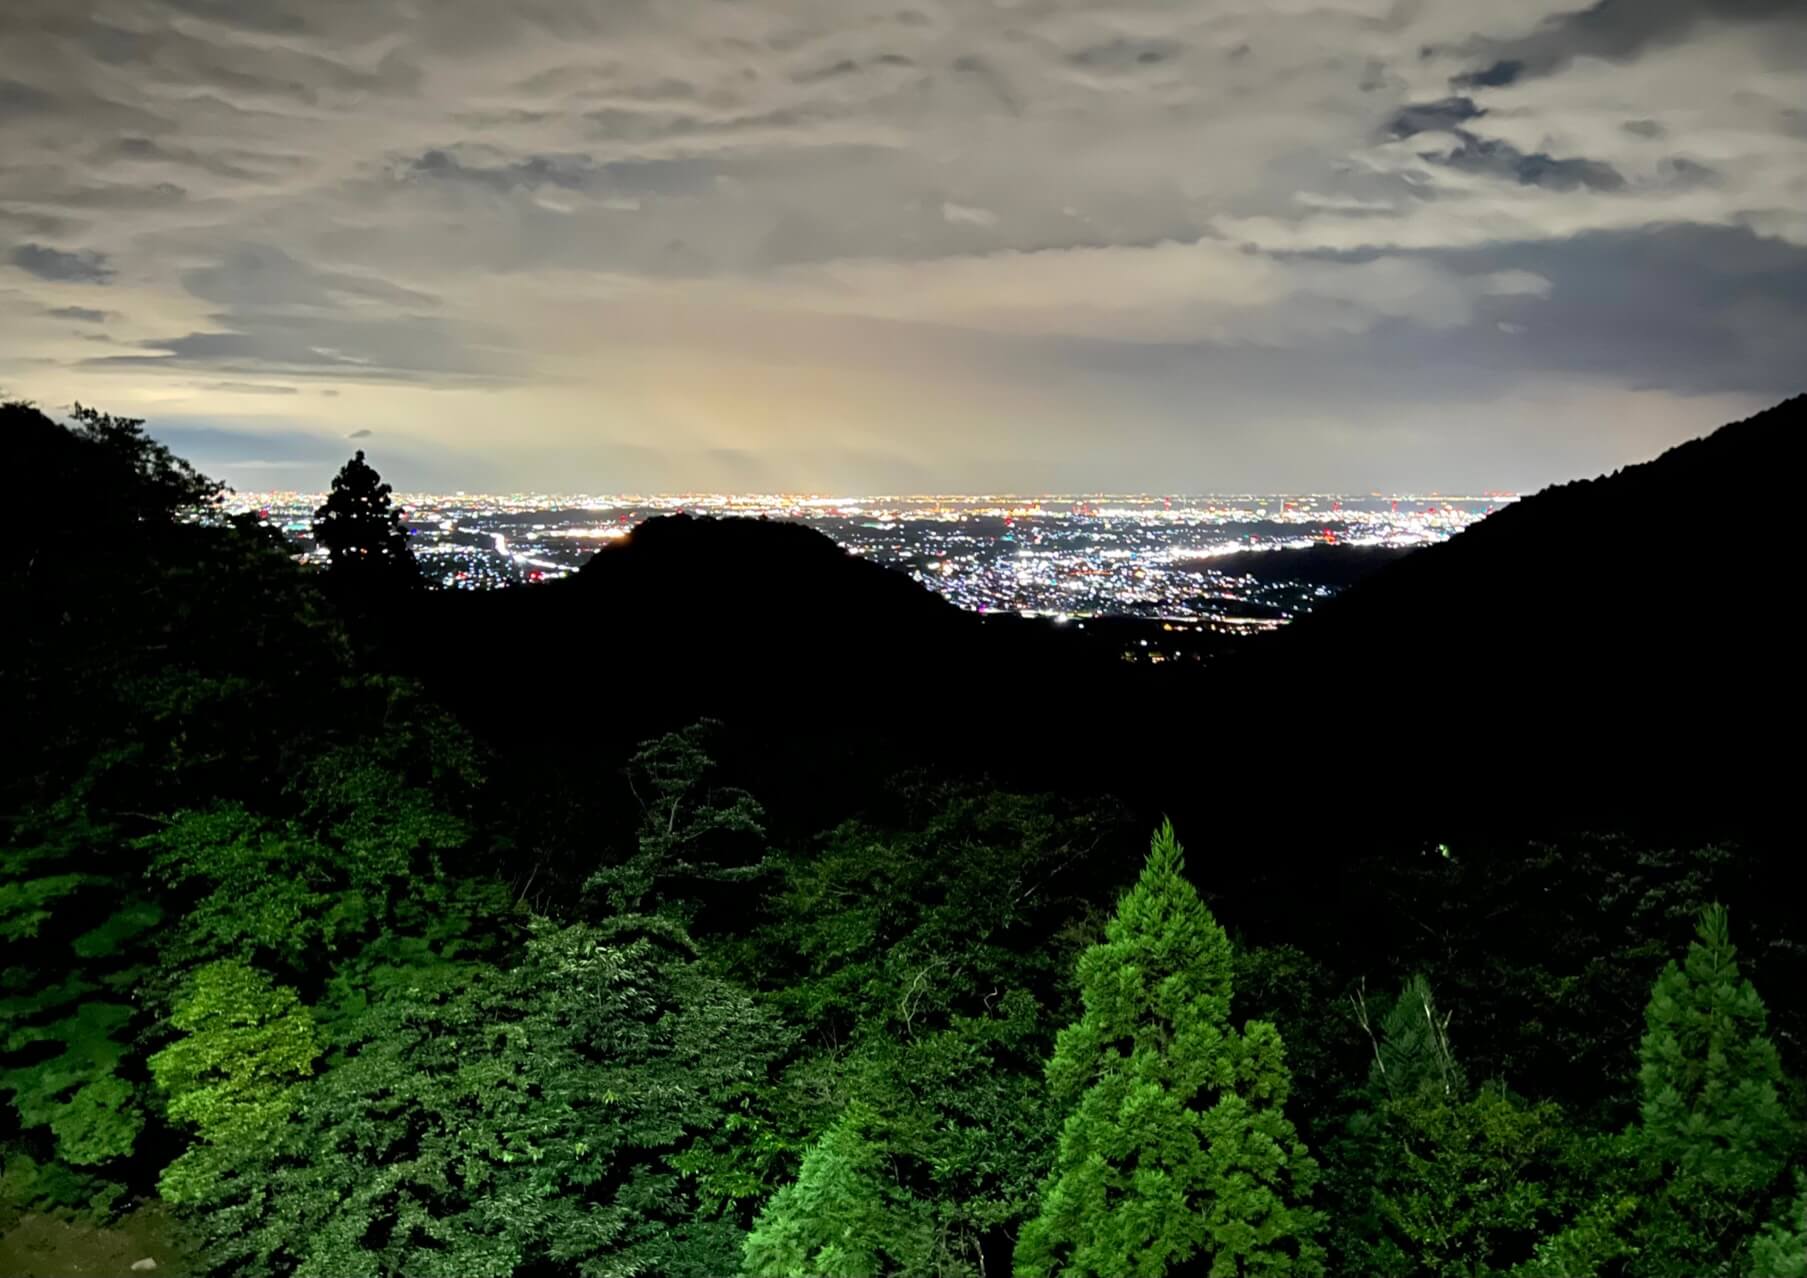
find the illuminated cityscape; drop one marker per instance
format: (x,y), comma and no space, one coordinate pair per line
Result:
(1195,561)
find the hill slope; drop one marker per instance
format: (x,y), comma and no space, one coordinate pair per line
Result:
(830,672)
(1611,653)
(1613,649)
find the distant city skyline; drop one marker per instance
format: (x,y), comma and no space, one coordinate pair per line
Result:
(732,502)
(1196,562)
(884,245)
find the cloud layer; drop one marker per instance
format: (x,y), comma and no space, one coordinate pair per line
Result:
(620,244)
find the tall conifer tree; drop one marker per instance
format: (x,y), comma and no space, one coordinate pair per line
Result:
(1431,1178)
(1713,1137)
(844,1214)
(362,529)
(1176,1145)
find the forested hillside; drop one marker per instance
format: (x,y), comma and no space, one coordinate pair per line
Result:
(1610,651)
(350,929)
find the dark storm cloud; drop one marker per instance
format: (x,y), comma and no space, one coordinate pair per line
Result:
(85,314)
(1502,159)
(816,75)
(18,99)
(1427,117)
(1618,30)
(84,266)
(361,434)
(538,170)
(1476,154)
(1503,72)
(1689,309)
(401,349)
(260,278)
(1693,310)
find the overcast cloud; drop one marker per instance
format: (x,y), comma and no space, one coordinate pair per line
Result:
(617,245)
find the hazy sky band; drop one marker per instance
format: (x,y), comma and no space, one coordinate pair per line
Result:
(888,247)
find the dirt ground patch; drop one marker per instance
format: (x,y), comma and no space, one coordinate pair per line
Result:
(37,1246)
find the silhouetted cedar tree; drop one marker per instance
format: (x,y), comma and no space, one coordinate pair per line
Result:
(362,530)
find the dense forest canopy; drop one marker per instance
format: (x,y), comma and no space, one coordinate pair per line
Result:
(316,964)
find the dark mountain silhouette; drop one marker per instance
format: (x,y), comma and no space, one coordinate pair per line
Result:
(1610,653)
(1338,566)
(831,673)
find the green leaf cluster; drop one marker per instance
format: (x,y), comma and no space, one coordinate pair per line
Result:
(1176,1144)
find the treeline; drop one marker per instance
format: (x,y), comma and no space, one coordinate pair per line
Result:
(289,953)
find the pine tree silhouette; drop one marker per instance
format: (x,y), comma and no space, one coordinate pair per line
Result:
(362,529)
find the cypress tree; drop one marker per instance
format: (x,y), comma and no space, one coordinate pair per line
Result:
(1411,1053)
(1433,1179)
(843,1216)
(1713,1137)
(1781,1251)
(1176,1147)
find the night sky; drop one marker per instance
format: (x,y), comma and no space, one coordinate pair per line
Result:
(604,245)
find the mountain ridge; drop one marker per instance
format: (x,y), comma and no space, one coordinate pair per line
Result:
(1544,668)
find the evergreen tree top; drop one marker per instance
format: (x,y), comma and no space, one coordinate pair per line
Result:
(1704,1018)
(1710,1075)
(1162,947)
(361,528)
(1176,1144)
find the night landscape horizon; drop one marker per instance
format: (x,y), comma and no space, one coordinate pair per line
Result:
(902,638)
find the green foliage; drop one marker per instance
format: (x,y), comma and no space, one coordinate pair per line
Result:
(1713,1138)
(1595,1243)
(234,1074)
(374,827)
(1433,1179)
(1412,1056)
(257,885)
(691,831)
(844,1215)
(73,948)
(76,1090)
(1303,997)
(1176,1142)
(1549,950)
(479,1121)
(51,1186)
(925,965)
(1456,1187)
(28,900)
(1781,1250)
(126,924)
(1689,1188)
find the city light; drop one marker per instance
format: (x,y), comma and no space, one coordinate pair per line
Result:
(1192,561)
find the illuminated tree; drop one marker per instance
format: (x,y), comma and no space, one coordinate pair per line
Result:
(1714,1136)
(843,1215)
(1176,1143)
